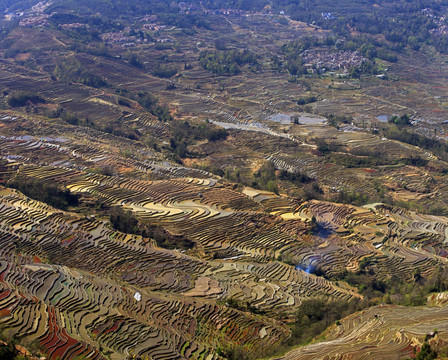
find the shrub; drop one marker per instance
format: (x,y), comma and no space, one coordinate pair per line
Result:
(70,70)
(46,191)
(164,71)
(226,62)
(22,98)
(127,222)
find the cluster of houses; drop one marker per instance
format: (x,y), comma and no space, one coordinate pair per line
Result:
(324,60)
(151,23)
(129,37)
(40,7)
(119,37)
(149,18)
(185,7)
(441,28)
(73,26)
(234,12)
(32,21)
(328,16)
(124,38)
(153,27)
(36,16)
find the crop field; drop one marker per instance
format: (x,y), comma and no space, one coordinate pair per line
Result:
(215,183)
(381,332)
(257,228)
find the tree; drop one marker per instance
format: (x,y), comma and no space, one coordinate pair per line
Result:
(22,98)
(426,353)
(8,352)
(71,70)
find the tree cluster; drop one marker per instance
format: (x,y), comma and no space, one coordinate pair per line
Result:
(402,134)
(71,70)
(315,315)
(186,134)
(46,191)
(226,62)
(164,71)
(127,222)
(148,101)
(23,98)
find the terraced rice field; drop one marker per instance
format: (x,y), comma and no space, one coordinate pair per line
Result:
(78,287)
(381,332)
(73,285)
(70,312)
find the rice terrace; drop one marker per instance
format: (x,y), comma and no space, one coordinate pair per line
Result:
(223,179)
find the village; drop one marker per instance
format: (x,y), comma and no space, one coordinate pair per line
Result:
(323,60)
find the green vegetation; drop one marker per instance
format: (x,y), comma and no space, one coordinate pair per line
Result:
(402,120)
(352,197)
(133,59)
(367,158)
(117,128)
(9,352)
(322,146)
(335,120)
(402,134)
(70,118)
(402,23)
(22,98)
(264,178)
(267,178)
(226,62)
(71,70)
(127,222)
(230,352)
(292,52)
(307,100)
(393,290)
(426,353)
(148,101)
(243,306)
(187,134)
(295,178)
(164,71)
(315,315)
(352,161)
(46,191)
(366,68)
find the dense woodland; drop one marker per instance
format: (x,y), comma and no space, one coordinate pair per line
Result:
(402,23)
